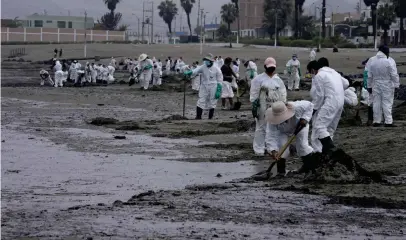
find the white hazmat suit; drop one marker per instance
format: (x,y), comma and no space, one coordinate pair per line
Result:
(251,72)
(268,90)
(293,68)
(383,78)
(146,75)
(312,55)
(210,77)
(327,94)
(157,75)
(277,135)
(350,97)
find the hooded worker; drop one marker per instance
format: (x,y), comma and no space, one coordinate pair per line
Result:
(93,71)
(220,62)
(293,69)
(383,79)
(168,66)
(58,66)
(327,94)
(283,121)
(312,55)
(146,66)
(88,71)
(73,71)
(210,86)
(45,76)
(113,62)
(251,71)
(266,89)
(111,69)
(156,75)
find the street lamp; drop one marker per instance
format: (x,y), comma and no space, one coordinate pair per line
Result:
(138,33)
(321,23)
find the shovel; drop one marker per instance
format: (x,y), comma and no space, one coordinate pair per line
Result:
(264,175)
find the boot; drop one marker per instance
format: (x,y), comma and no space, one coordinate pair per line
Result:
(370,116)
(328,146)
(211,113)
(199,113)
(310,162)
(281,167)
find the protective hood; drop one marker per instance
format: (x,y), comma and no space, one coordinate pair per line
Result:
(326,69)
(381,55)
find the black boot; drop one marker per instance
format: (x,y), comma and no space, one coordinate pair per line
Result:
(328,146)
(370,116)
(310,162)
(199,113)
(211,113)
(281,167)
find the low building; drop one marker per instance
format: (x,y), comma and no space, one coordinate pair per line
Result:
(211,31)
(50,21)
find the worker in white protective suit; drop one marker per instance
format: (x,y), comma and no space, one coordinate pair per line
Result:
(93,72)
(73,71)
(283,121)
(156,75)
(327,94)
(113,62)
(383,79)
(312,55)
(146,66)
(236,70)
(196,78)
(60,77)
(58,66)
(220,62)
(179,64)
(266,89)
(168,66)
(111,69)
(45,76)
(251,71)
(293,69)
(350,97)
(210,87)
(160,64)
(105,74)
(88,72)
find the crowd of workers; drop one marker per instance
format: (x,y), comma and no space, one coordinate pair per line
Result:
(276,118)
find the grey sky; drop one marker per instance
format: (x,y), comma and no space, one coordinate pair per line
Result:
(96,8)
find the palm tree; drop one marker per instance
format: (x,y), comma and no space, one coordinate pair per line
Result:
(281,9)
(228,15)
(401,14)
(386,16)
(237,6)
(323,19)
(111,4)
(187,5)
(167,11)
(373,4)
(298,9)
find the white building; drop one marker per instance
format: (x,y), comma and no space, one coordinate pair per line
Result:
(49,21)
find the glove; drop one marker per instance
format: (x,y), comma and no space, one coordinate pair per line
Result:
(365,77)
(300,125)
(300,74)
(188,73)
(369,90)
(218,91)
(274,155)
(255,107)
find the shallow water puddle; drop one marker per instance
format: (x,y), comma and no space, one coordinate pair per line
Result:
(37,173)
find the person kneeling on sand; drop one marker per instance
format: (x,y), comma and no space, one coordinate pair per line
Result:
(44,74)
(283,121)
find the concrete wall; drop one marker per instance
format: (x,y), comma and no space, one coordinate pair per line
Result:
(58,35)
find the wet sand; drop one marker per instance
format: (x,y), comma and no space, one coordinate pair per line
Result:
(64,178)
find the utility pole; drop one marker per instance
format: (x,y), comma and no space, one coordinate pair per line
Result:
(85,47)
(276,28)
(204,28)
(201,33)
(152,22)
(198,13)
(143,19)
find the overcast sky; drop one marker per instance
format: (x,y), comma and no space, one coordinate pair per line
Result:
(133,8)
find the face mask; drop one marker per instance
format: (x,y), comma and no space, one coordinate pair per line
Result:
(294,59)
(208,63)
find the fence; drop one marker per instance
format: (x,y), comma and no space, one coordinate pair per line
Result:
(59,35)
(16,52)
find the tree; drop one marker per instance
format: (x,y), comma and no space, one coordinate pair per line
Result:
(187,5)
(11,23)
(281,9)
(401,14)
(373,4)
(228,15)
(237,6)
(222,31)
(386,16)
(167,11)
(123,27)
(298,11)
(110,21)
(198,30)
